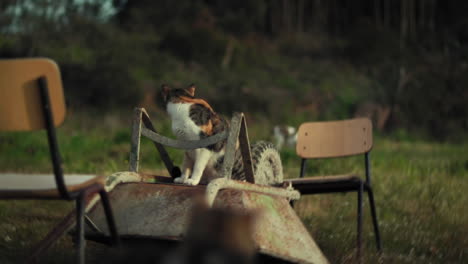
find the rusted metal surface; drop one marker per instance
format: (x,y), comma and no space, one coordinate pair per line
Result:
(123,177)
(151,210)
(163,211)
(217,185)
(278,230)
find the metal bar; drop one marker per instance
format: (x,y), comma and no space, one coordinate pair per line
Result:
(52,236)
(91,224)
(303,168)
(110,218)
(52,138)
(60,228)
(368,173)
(183,144)
(231,146)
(81,243)
(173,170)
(359,222)
(134,158)
(374,219)
(245,151)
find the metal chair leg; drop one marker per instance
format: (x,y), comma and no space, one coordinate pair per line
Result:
(52,237)
(359,222)
(81,243)
(303,168)
(110,218)
(374,219)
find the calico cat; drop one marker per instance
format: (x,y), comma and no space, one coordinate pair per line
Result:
(194,119)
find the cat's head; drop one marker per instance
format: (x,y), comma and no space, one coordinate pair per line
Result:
(174,95)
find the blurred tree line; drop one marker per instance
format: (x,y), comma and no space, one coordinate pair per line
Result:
(401,62)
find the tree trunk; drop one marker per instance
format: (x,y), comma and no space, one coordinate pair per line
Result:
(300,16)
(412,19)
(422,13)
(275,16)
(387,13)
(403,22)
(377,13)
(432,12)
(318,14)
(228,54)
(286,16)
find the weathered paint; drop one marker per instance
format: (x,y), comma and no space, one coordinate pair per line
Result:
(140,209)
(163,211)
(222,183)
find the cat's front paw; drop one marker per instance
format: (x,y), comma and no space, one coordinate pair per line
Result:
(191,182)
(179,180)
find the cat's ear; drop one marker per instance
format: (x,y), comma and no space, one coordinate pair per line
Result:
(165,91)
(191,89)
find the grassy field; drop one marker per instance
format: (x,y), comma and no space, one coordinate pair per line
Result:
(420,190)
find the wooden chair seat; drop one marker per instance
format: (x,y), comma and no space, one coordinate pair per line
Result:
(16,185)
(324,179)
(325,184)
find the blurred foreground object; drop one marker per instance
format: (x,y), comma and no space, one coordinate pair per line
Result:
(217,236)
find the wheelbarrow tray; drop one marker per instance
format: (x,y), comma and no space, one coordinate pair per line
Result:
(161,211)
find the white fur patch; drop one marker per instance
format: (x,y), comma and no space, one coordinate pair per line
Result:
(182,125)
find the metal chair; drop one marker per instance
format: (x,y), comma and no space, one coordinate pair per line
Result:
(31,98)
(332,139)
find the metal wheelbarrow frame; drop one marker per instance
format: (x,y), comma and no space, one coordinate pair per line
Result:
(148,207)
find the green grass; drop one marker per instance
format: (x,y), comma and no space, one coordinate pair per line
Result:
(420,191)
(421,202)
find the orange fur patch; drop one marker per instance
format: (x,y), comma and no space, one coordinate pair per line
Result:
(208,128)
(196,101)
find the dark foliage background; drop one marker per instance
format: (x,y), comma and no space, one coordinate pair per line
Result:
(403,63)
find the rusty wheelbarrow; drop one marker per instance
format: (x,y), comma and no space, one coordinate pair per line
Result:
(153,208)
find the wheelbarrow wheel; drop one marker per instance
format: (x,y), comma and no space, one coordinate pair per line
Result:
(267,166)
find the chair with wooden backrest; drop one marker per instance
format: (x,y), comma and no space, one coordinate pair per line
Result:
(332,139)
(31,98)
